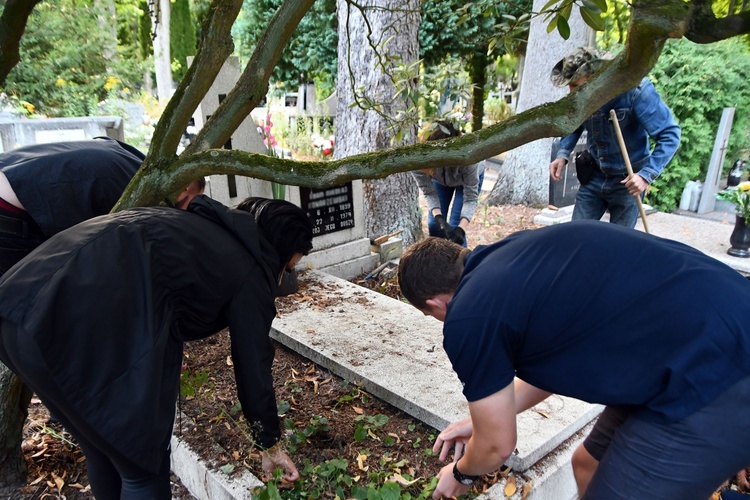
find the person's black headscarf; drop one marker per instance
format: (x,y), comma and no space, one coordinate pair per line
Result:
(285,226)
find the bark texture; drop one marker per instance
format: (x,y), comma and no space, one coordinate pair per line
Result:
(162,59)
(524,177)
(14,401)
(391,203)
(12,25)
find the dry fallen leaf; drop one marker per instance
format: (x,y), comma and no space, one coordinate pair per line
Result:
(229,361)
(59,482)
(358,410)
(361,462)
(527,489)
(398,478)
(510,486)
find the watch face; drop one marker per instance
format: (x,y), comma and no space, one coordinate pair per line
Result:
(467,481)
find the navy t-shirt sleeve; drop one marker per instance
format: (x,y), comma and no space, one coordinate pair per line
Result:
(481,353)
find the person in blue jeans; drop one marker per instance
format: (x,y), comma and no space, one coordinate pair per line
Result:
(643,117)
(455,188)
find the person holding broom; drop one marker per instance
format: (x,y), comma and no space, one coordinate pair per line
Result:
(642,116)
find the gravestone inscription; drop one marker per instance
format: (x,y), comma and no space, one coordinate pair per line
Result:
(330,209)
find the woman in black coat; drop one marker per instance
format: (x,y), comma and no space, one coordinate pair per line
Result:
(94,321)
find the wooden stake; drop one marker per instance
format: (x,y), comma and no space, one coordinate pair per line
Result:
(616,125)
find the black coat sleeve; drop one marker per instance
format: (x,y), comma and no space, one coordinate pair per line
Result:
(250,316)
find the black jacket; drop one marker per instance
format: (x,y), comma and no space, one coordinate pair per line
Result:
(107,304)
(63,183)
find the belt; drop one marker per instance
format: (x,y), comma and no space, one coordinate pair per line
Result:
(17,227)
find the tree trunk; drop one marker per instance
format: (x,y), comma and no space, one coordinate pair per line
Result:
(14,401)
(162,59)
(391,203)
(107,18)
(478,72)
(524,177)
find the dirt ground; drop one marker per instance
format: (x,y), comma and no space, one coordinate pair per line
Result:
(324,417)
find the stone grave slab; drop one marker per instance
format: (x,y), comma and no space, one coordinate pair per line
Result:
(397,353)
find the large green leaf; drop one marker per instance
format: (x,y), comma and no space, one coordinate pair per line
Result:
(593,19)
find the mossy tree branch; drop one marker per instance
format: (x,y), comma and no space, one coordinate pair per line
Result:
(12,25)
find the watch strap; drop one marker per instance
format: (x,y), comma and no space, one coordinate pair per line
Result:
(463,478)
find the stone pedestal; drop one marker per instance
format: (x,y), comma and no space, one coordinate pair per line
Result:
(18,132)
(232,189)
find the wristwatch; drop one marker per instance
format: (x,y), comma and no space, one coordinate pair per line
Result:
(463,478)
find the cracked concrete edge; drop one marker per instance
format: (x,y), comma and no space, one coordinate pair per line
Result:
(204,481)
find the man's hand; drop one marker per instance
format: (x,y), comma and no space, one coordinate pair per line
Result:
(457,435)
(459,235)
(447,486)
(276,458)
(635,184)
(556,168)
(445,229)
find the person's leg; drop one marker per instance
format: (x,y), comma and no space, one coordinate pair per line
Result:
(584,468)
(688,459)
(445,195)
(19,235)
(105,480)
(138,483)
(623,206)
(589,202)
(586,457)
(456,206)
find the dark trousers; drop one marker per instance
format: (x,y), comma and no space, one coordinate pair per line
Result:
(19,235)
(112,476)
(687,459)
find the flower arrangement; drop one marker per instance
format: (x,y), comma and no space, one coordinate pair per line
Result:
(278,190)
(268,139)
(321,145)
(740,196)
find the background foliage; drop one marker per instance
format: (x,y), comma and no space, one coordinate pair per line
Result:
(311,54)
(697,82)
(182,38)
(69,74)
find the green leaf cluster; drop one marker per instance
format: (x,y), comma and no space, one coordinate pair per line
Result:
(311,54)
(182,38)
(66,72)
(697,82)
(557,14)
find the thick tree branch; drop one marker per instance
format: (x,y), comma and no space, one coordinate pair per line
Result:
(650,27)
(12,25)
(215,47)
(705,27)
(253,83)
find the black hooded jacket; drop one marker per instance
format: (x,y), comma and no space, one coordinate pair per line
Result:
(106,305)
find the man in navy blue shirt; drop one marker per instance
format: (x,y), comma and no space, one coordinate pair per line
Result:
(607,315)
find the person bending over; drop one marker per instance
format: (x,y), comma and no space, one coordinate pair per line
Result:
(545,311)
(94,321)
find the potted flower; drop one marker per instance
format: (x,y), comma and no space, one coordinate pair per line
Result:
(740,238)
